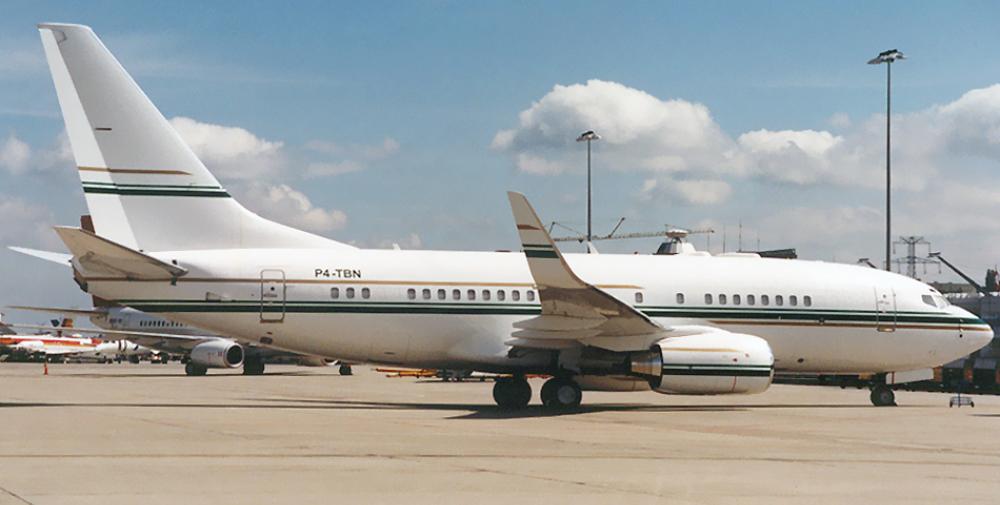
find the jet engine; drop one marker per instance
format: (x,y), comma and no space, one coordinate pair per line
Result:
(217,354)
(714,363)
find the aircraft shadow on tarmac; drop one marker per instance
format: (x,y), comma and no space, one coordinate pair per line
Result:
(467,411)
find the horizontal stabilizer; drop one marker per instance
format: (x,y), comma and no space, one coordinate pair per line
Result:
(60,310)
(55,257)
(99,256)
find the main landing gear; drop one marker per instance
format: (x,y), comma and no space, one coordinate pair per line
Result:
(195,370)
(512,393)
(253,365)
(558,393)
(561,393)
(883,396)
(346,370)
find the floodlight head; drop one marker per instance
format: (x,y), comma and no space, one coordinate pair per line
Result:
(588,135)
(887,57)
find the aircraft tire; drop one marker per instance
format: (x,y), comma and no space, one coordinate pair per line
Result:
(346,370)
(560,393)
(512,393)
(883,396)
(254,366)
(195,370)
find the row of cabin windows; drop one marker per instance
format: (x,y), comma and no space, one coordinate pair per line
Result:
(470,294)
(442,294)
(779,300)
(160,324)
(350,293)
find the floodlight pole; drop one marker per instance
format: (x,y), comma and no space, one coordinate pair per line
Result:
(588,137)
(589,228)
(888,57)
(888,165)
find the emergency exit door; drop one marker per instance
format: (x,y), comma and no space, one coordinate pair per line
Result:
(272,296)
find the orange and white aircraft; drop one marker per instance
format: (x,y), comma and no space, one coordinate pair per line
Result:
(58,344)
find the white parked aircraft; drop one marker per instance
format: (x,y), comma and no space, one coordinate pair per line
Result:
(170,240)
(63,341)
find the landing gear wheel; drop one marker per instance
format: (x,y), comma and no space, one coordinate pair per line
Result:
(253,366)
(346,370)
(512,393)
(195,370)
(883,396)
(561,393)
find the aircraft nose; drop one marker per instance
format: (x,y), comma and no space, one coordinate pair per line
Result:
(976,332)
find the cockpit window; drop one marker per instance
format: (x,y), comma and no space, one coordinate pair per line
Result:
(935,300)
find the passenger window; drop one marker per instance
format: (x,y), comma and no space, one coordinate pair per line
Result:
(708,299)
(456,294)
(736,299)
(778,300)
(638,297)
(531,295)
(411,294)
(501,295)
(442,294)
(486,295)
(680,298)
(751,300)
(426,294)
(515,295)
(765,300)
(366,293)
(350,292)
(793,300)
(471,294)
(807,301)
(722,299)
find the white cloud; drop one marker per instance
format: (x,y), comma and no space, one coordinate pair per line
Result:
(350,157)
(647,134)
(639,131)
(231,152)
(15,155)
(286,205)
(689,191)
(25,223)
(18,157)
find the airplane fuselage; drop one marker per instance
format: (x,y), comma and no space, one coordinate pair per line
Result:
(440,309)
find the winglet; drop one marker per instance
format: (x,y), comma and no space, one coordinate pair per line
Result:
(544,260)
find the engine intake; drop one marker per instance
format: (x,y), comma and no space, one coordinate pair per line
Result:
(218,354)
(707,364)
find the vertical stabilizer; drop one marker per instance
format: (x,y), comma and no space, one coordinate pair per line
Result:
(144,186)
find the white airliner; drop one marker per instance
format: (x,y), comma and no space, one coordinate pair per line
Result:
(170,240)
(63,341)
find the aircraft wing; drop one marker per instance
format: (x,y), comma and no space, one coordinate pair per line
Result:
(171,342)
(574,312)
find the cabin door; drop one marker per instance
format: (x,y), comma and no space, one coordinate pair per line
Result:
(885,309)
(272,296)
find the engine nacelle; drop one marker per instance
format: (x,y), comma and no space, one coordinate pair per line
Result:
(707,364)
(218,354)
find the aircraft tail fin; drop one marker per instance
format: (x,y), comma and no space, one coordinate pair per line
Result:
(144,186)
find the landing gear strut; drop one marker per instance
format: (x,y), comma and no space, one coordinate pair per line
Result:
(253,365)
(195,370)
(882,396)
(512,393)
(561,393)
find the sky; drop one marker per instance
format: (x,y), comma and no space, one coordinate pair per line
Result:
(377,123)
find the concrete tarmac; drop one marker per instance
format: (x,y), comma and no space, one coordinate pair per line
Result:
(110,434)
